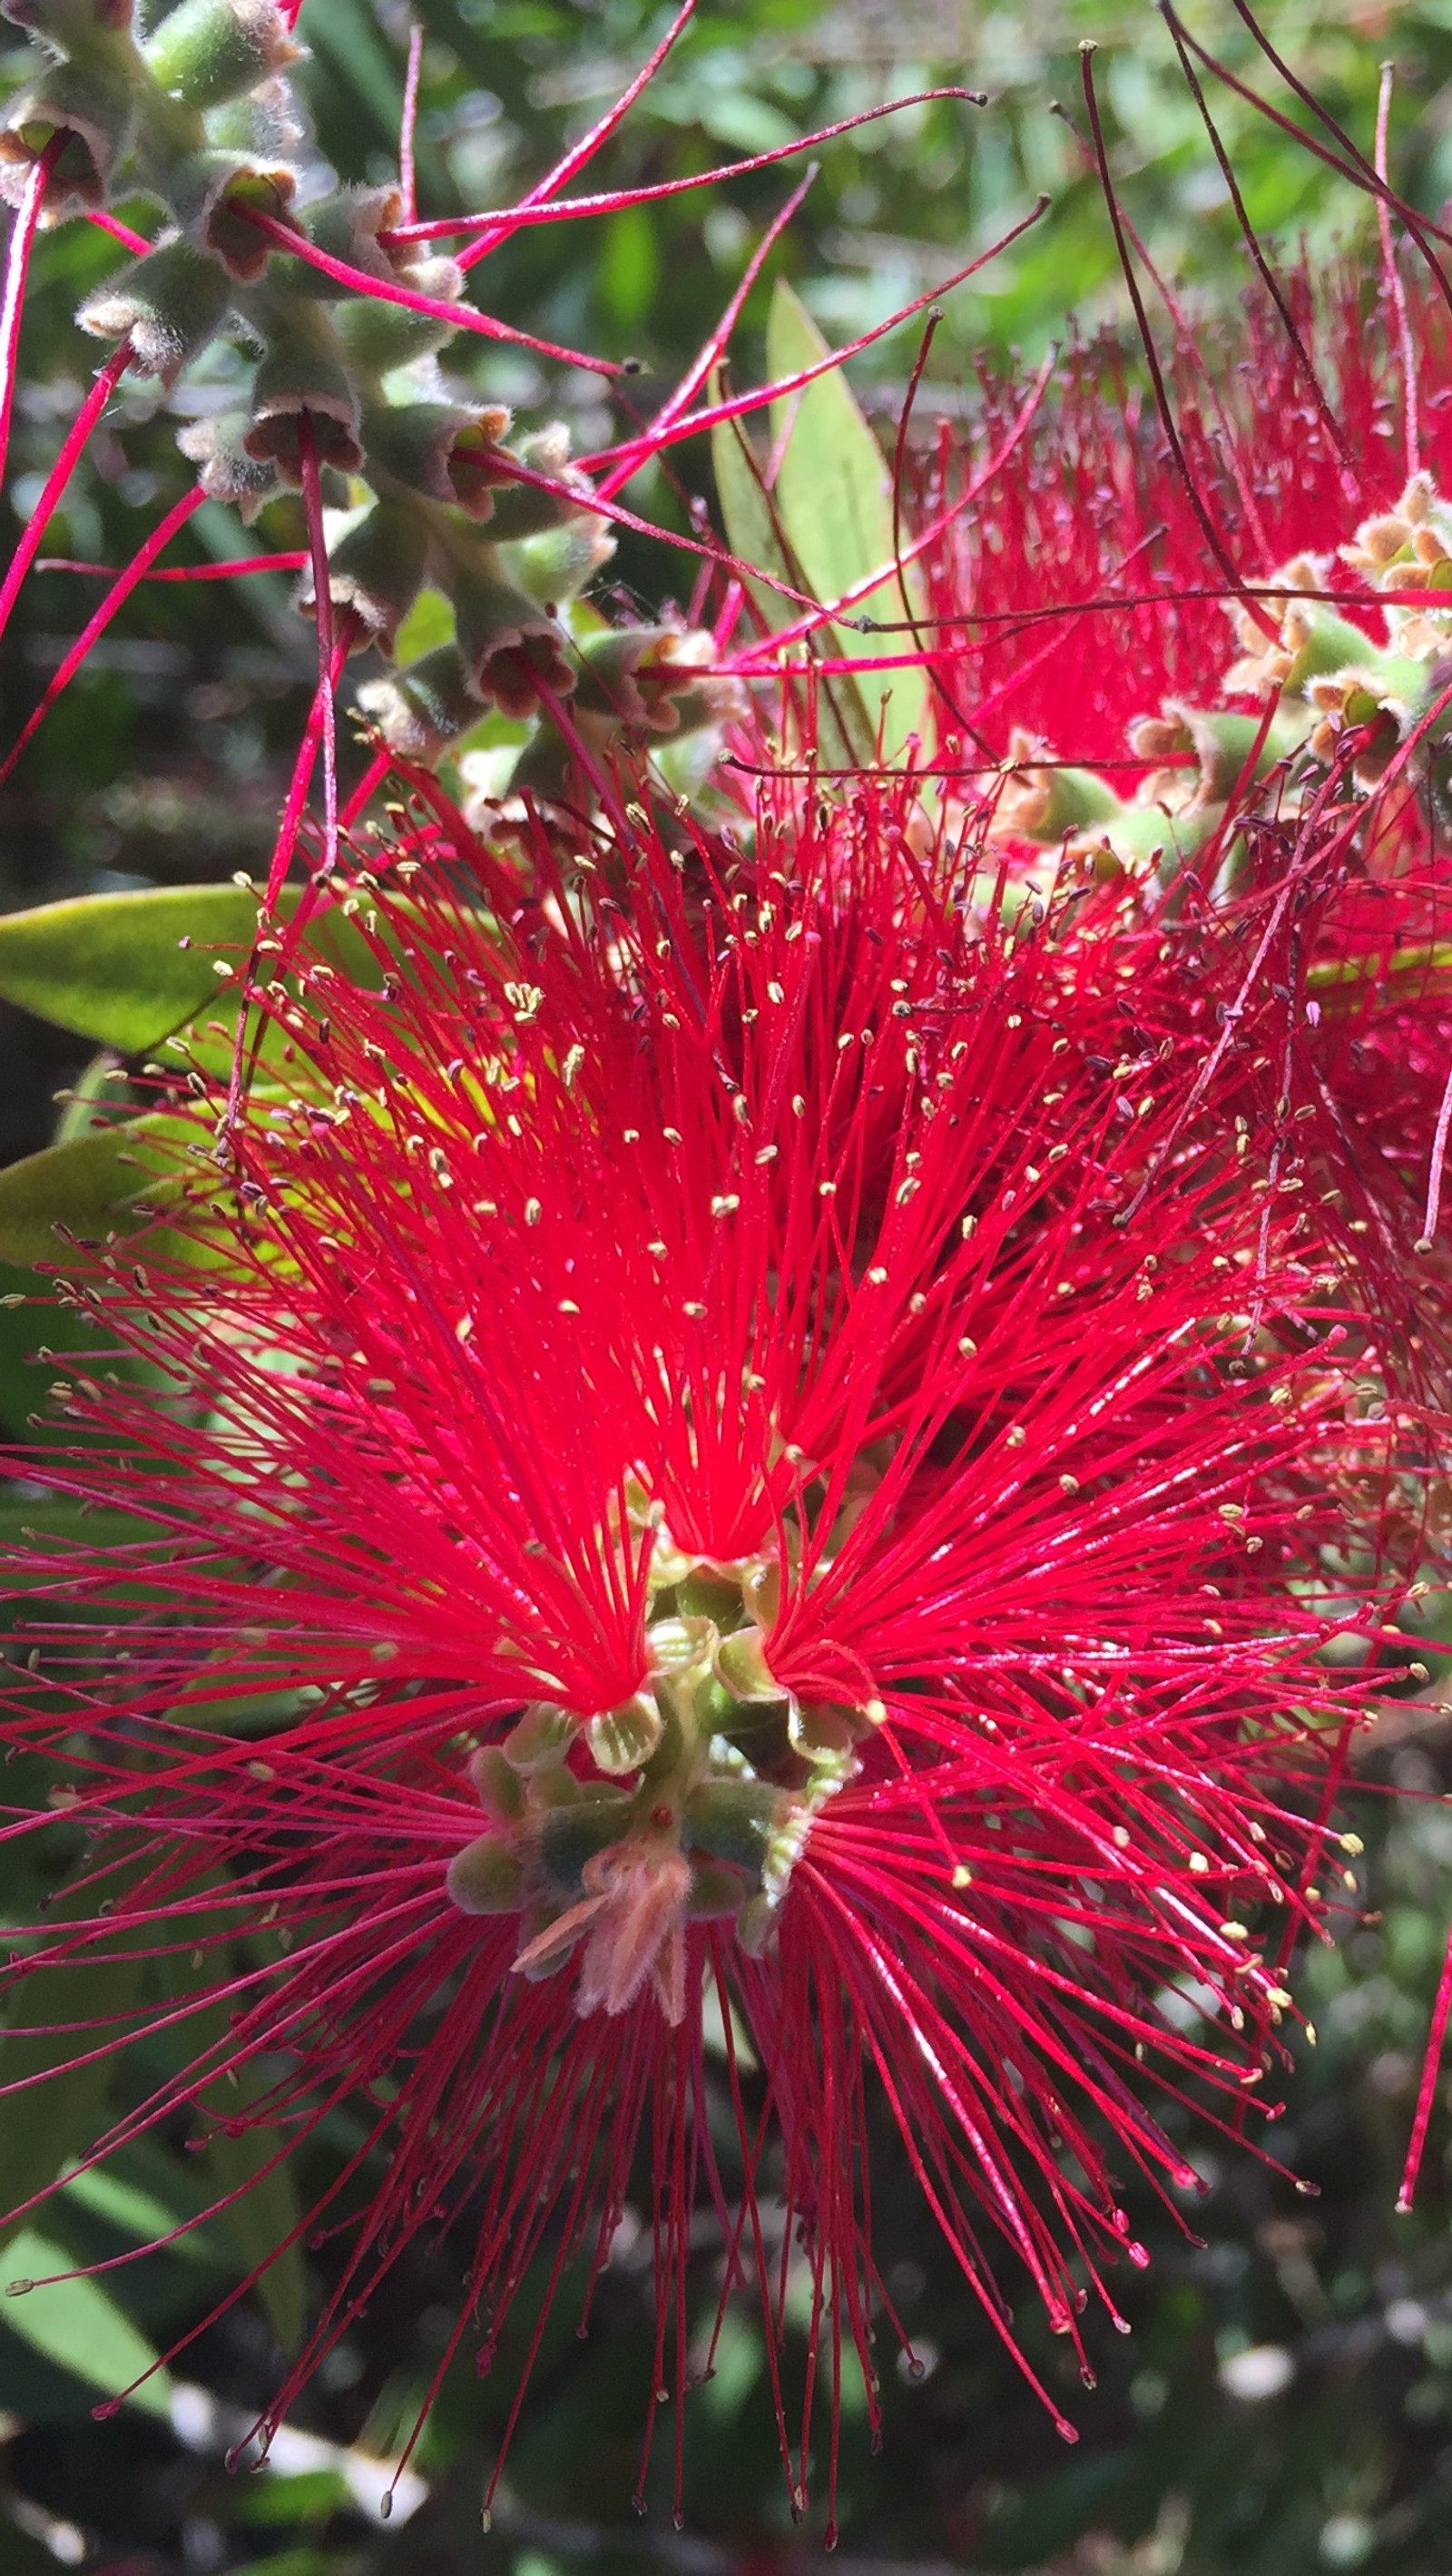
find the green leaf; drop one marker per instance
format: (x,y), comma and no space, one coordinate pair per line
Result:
(833,490)
(79,2324)
(124,969)
(50,2122)
(129,969)
(264,2217)
(89,1184)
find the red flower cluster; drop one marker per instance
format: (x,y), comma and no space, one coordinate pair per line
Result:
(791,1495)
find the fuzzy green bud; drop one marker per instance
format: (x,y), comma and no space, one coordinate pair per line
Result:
(211,193)
(92,108)
(303,371)
(734,1820)
(496,1784)
(507,643)
(380,336)
(486,1877)
(441,449)
(421,709)
(169,305)
(557,565)
(376,568)
(568,1837)
(206,52)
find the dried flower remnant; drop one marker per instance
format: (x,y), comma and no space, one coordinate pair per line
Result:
(745,1525)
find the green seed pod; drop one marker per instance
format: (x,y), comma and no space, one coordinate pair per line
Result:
(486,1877)
(381,337)
(92,106)
(303,370)
(422,709)
(210,193)
(499,1789)
(570,1836)
(734,1820)
(556,566)
(442,449)
(209,51)
(169,304)
(376,568)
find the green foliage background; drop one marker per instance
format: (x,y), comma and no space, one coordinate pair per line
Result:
(163,765)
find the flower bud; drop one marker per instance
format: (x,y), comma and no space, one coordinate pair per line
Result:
(92,107)
(539,1739)
(210,192)
(1046,804)
(302,371)
(442,449)
(206,52)
(716,1894)
(422,709)
(733,1820)
(169,304)
(227,470)
(376,568)
(379,336)
(555,566)
(497,1785)
(486,1877)
(570,1836)
(625,1737)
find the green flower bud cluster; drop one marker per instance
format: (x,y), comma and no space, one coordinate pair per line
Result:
(609,1835)
(1320,684)
(423,490)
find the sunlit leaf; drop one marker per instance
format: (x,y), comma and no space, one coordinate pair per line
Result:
(80,2325)
(124,969)
(833,490)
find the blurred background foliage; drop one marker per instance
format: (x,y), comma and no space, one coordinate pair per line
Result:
(1283,2405)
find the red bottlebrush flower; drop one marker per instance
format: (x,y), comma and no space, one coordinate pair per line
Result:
(736,1419)
(1288,444)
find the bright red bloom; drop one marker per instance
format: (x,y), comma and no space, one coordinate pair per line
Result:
(764,1370)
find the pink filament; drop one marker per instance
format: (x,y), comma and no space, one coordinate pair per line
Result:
(116,596)
(60,475)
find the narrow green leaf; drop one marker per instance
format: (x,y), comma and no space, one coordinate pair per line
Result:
(756,536)
(113,967)
(79,2324)
(47,2124)
(267,2211)
(833,490)
(260,2222)
(88,1184)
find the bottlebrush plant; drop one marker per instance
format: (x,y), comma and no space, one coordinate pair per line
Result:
(739,1455)
(759,1452)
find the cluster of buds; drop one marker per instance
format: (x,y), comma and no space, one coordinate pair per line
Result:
(338,319)
(1324,694)
(702,1789)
